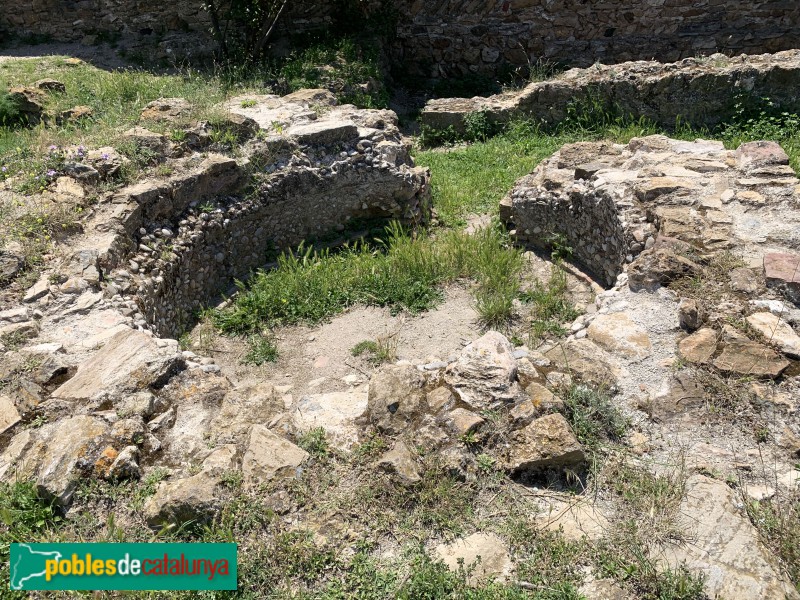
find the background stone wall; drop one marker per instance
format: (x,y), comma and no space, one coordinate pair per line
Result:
(453,37)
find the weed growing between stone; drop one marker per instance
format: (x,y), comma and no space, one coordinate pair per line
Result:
(778,522)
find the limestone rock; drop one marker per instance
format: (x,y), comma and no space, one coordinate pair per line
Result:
(617,333)
(167,109)
(56,456)
(745,357)
(126,464)
(10,265)
(485,552)
(243,407)
(326,132)
(483,376)
(689,316)
(542,398)
(400,462)
(396,398)
(725,547)
(268,456)
(659,266)
(195,499)
(546,442)
(129,362)
(586,360)
(700,346)
(29,102)
(50,85)
(144,138)
(9,415)
(76,113)
(680,398)
(776,332)
(783,274)
(459,421)
(576,521)
(335,412)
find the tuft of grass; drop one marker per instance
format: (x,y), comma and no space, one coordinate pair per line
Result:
(262,350)
(551,307)
(404,272)
(380,351)
(778,523)
(593,416)
(473,179)
(9,109)
(314,442)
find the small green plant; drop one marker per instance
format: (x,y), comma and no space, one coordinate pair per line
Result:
(147,486)
(178,135)
(248,103)
(477,126)
(550,305)
(383,350)
(9,109)
(314,442)
(486,463)
(207,207)
(593,416)
(262,350)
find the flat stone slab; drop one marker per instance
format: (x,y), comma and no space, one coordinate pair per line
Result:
(724,546)
(782,271)
(335,412)
(324,132)
(618,334)
(776,332)
(745,357)
(130,361)
(485,552)
(269,455)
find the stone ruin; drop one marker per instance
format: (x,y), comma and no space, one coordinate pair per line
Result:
(694,91)
(611,202)
(168,246)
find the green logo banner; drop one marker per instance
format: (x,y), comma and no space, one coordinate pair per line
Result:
(123,567)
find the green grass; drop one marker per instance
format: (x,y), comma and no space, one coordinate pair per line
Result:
(378,351)
(351,71)
(551,307)
(404,273)
(473,179)
(262,350)
(593,416)
(778,522)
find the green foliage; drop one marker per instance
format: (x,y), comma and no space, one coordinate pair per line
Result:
(24,512)
(403,273)
(473,180)
(380,351)
(262,350)
(351,71)
(593,416)
(630,565)
(314,442)
(9,109)
(243,27)
(551,306)
(778,522)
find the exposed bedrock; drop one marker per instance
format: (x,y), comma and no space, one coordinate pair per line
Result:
(698,91)
(617,204)
(175,244)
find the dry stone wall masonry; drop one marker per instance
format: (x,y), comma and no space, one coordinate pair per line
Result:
(456,37)
(696,91)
